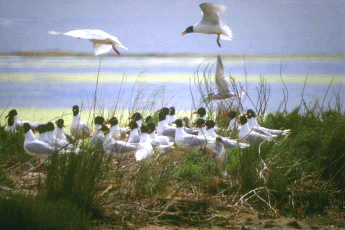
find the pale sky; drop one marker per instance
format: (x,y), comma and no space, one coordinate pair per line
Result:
(258,26)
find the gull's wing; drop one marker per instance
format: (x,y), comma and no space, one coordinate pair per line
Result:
(210,13)
(221,83)
(88,34)
(39,148)
(191,140)
(101,48)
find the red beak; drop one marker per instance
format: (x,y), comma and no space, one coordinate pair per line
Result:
(183,33)
(157,117)
(63,125)
(130,118)
(195,112)
(224,115)
(203,125)
(245,114)
(105,122)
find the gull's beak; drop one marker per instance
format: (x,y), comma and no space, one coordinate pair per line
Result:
(203,125)
(195,112)
(158,110)
(63,125)
(245,114)
(183,33)
(224,115)
(130,118)
(105,123)
(157,117)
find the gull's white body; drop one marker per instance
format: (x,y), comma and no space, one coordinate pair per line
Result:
(270,132)
(250,136)
(35,147)
(211,23)
(79,129)
(102,41)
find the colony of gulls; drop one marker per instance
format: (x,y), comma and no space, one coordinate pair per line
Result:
(142,137)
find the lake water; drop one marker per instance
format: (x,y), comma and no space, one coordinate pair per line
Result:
(43,92)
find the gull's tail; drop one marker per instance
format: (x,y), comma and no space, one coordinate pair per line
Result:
(226,33)
(55,33)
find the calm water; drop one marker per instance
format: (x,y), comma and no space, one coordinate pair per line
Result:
(43,93)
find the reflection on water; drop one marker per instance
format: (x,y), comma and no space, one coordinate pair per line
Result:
(43,93)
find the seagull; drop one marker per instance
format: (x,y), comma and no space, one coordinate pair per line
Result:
(18,124)
(116,148)
(102,41)
(255,126)
(145,149)
(54,141)
(200,124)
(211,23)
(35,147)
(226,142)
(224,91)
(60,134)
(201,112)
(10,124)
(171,117)
(160,143)
(248,135)
(137,118)
(164,129)
(233,124)
(79,129)
(134,135)
(116,132)
(183,139)
(219,155)
(98,136)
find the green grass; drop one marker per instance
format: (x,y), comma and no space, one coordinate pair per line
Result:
(27,212)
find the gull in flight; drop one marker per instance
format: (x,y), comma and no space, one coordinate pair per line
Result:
(211,23)
(102,41)
(224,90)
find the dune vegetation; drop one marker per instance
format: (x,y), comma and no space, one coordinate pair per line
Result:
(294,177)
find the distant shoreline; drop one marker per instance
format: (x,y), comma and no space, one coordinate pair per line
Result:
(60,53)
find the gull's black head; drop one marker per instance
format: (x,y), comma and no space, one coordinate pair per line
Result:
(165,110)
(148,119)
(188,30)
(219,139)
(137,116)
(200,123)
(232,114)
(113,121)
(161,116)
(133,125)
(40,128)
(99,120)
(12,113)
(151,126)
(50,126)
(75,110)
(10,121)
(243,120)
(27,127)
(210,124)
(178,123)
(59,123)
(250,113)
(201,112)
(144,129)
(105,129)
(172,111)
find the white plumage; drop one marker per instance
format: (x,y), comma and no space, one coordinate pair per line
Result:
(102,41)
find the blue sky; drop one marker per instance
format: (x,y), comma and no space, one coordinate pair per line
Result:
(281,26)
